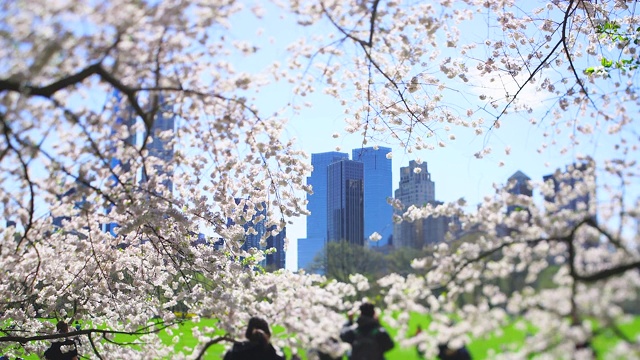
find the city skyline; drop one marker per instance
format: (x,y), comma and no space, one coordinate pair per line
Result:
(431,230)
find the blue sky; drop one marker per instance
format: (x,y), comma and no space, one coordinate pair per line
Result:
(456,171)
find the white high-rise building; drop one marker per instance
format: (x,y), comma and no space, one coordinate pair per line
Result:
(416,188)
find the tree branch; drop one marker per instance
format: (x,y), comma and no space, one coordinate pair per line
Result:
(210,343)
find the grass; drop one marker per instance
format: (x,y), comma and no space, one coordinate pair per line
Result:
(510,337)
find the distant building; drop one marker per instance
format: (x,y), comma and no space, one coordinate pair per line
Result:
(254,229)
(277,260)
(572,196)
(124,117)
(519,184)
(416,188)
(80,205)
(568,192)
(198,239)
(316,238)
(345,202)
(159,148)
(308,249)
(219,244)
(378,185)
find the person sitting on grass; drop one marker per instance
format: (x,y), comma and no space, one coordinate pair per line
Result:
(258,346)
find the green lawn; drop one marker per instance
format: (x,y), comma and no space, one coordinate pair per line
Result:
(510,337)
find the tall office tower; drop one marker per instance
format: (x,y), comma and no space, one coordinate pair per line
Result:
(276,260)
(378,184)
(63,213)
(519,185)
(312,245)
(574,197)
(415,188)
(345,202)
(125,117)
(159,147)
(569,190)
(254,229)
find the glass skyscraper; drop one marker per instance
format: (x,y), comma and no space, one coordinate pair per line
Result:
(378,185)
(164,120)
(317,204)
(159,148)
(124,117)
(345,202)
(276,261)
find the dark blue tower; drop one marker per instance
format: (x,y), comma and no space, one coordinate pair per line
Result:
(317,222)
(345,202)
(378,186)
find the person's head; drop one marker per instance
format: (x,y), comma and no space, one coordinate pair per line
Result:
(257,330)
(367,309)
(62,327)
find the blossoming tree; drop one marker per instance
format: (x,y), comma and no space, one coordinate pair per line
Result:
(425,73)
(85,84)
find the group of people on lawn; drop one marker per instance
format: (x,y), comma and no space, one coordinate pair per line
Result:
(368,339)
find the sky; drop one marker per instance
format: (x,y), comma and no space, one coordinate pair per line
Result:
(456,171)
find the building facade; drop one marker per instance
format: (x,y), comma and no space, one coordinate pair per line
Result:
(519,184)
(277,259)
(570,191)
(160,146)
(124,118)
(378,185)
(417,188)
(311,246)
(345,202)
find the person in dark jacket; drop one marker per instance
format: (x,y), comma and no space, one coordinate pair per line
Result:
(258,346)
(369,340)
(446,353)
(62,350)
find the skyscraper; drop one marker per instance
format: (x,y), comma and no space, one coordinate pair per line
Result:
(378,186)
(159,147)
(276,260)
(345,202)
(253,237)
(124,117)
(568,190)
(519,185)
(417,188)
(312,245)
(254,229)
